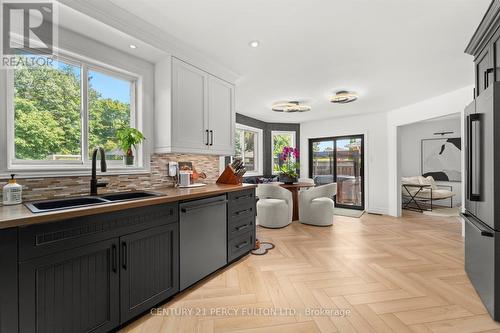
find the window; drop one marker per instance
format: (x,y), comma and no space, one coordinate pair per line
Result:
(248,147)
(65,108)
(280,139)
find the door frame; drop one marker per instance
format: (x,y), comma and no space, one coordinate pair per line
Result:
(362,171)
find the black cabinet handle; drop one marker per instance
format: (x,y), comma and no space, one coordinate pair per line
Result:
(487,77)
(113,258)
(242,227)
(124,255)
(243,211)
(211,137)
(239,246)
(244,196)
(207,138)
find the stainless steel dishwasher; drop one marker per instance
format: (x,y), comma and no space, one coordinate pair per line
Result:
(203,238)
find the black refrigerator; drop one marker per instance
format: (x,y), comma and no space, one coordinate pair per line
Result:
(482,205)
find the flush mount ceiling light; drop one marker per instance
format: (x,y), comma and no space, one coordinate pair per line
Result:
(132,46)
(292,106)
(254,43)
(344,97)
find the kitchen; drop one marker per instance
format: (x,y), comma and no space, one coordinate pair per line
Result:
(118,233)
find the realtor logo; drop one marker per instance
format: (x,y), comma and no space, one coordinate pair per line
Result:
(28,28)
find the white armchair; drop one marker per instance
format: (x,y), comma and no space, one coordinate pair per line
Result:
(316,205)
(275,206)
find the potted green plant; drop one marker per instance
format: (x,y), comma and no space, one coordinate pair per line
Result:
(288,165)
(129,138)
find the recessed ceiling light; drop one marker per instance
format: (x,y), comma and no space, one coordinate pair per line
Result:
(292,106)
(254,43)
(344,97)
(132,46)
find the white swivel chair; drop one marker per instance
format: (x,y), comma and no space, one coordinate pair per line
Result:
(275,206)
(316,205)
(306,181)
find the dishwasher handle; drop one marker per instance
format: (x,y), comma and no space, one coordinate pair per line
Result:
(187,210)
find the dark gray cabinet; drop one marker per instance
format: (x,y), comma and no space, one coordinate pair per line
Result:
(149,273)
(94,273)
(240,223)
(484,72)
(485,47)
(8,281)
(72,291)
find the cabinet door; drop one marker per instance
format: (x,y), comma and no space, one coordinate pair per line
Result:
(221,116)
(71,291)
(149,268)
(189,108)
(8,281)
(483,74)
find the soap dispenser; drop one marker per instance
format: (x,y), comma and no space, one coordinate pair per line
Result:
(12,192)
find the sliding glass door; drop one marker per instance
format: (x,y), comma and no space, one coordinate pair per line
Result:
(339,160)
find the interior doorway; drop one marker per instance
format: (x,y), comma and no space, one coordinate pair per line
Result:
(340,160)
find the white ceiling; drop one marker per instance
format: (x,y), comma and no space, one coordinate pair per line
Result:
(92,28)
(392,52)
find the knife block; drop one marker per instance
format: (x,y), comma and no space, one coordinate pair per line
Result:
(228,177)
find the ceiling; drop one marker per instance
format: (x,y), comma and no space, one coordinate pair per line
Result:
(73,20)
(392,52)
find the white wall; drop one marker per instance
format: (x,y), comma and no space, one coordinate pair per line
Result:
(374,128)
(410,155)
(382,148)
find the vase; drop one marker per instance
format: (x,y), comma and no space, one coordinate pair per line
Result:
(288,180)
(129,160)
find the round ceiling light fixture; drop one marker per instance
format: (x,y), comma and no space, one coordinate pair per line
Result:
(254,43)
(344,97)
(292,106)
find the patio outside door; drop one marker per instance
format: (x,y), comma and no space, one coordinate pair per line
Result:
(340,160)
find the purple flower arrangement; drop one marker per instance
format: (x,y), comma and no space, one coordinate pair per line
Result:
(289,163)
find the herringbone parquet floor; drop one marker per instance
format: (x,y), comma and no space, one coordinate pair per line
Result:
(374,274)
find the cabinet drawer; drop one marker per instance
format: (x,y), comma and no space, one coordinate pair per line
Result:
(239,227)
(43,239)
(240,245)
(241,211)
(240,197)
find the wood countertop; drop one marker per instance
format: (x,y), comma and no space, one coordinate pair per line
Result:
(19,215)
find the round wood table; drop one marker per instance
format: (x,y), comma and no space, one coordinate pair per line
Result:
(294,188)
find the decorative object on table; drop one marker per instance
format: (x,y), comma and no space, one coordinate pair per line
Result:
(441,159)
(184,178)
(129,138)
(288,165)
(12,192)
(233,173)
(185,166)
(262,248)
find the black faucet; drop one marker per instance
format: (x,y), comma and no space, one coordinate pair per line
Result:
(93,181)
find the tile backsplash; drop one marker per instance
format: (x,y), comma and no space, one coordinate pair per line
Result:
(55,187)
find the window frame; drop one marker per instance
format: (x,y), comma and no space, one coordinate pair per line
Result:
(85,162)
(294,145)
(259,147)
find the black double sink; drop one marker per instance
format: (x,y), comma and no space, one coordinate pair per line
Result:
(60,204)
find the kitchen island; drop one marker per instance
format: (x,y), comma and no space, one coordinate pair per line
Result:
(94,268)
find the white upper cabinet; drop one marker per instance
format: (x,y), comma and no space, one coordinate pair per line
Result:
(220,107)
(200,117)
(189,106)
